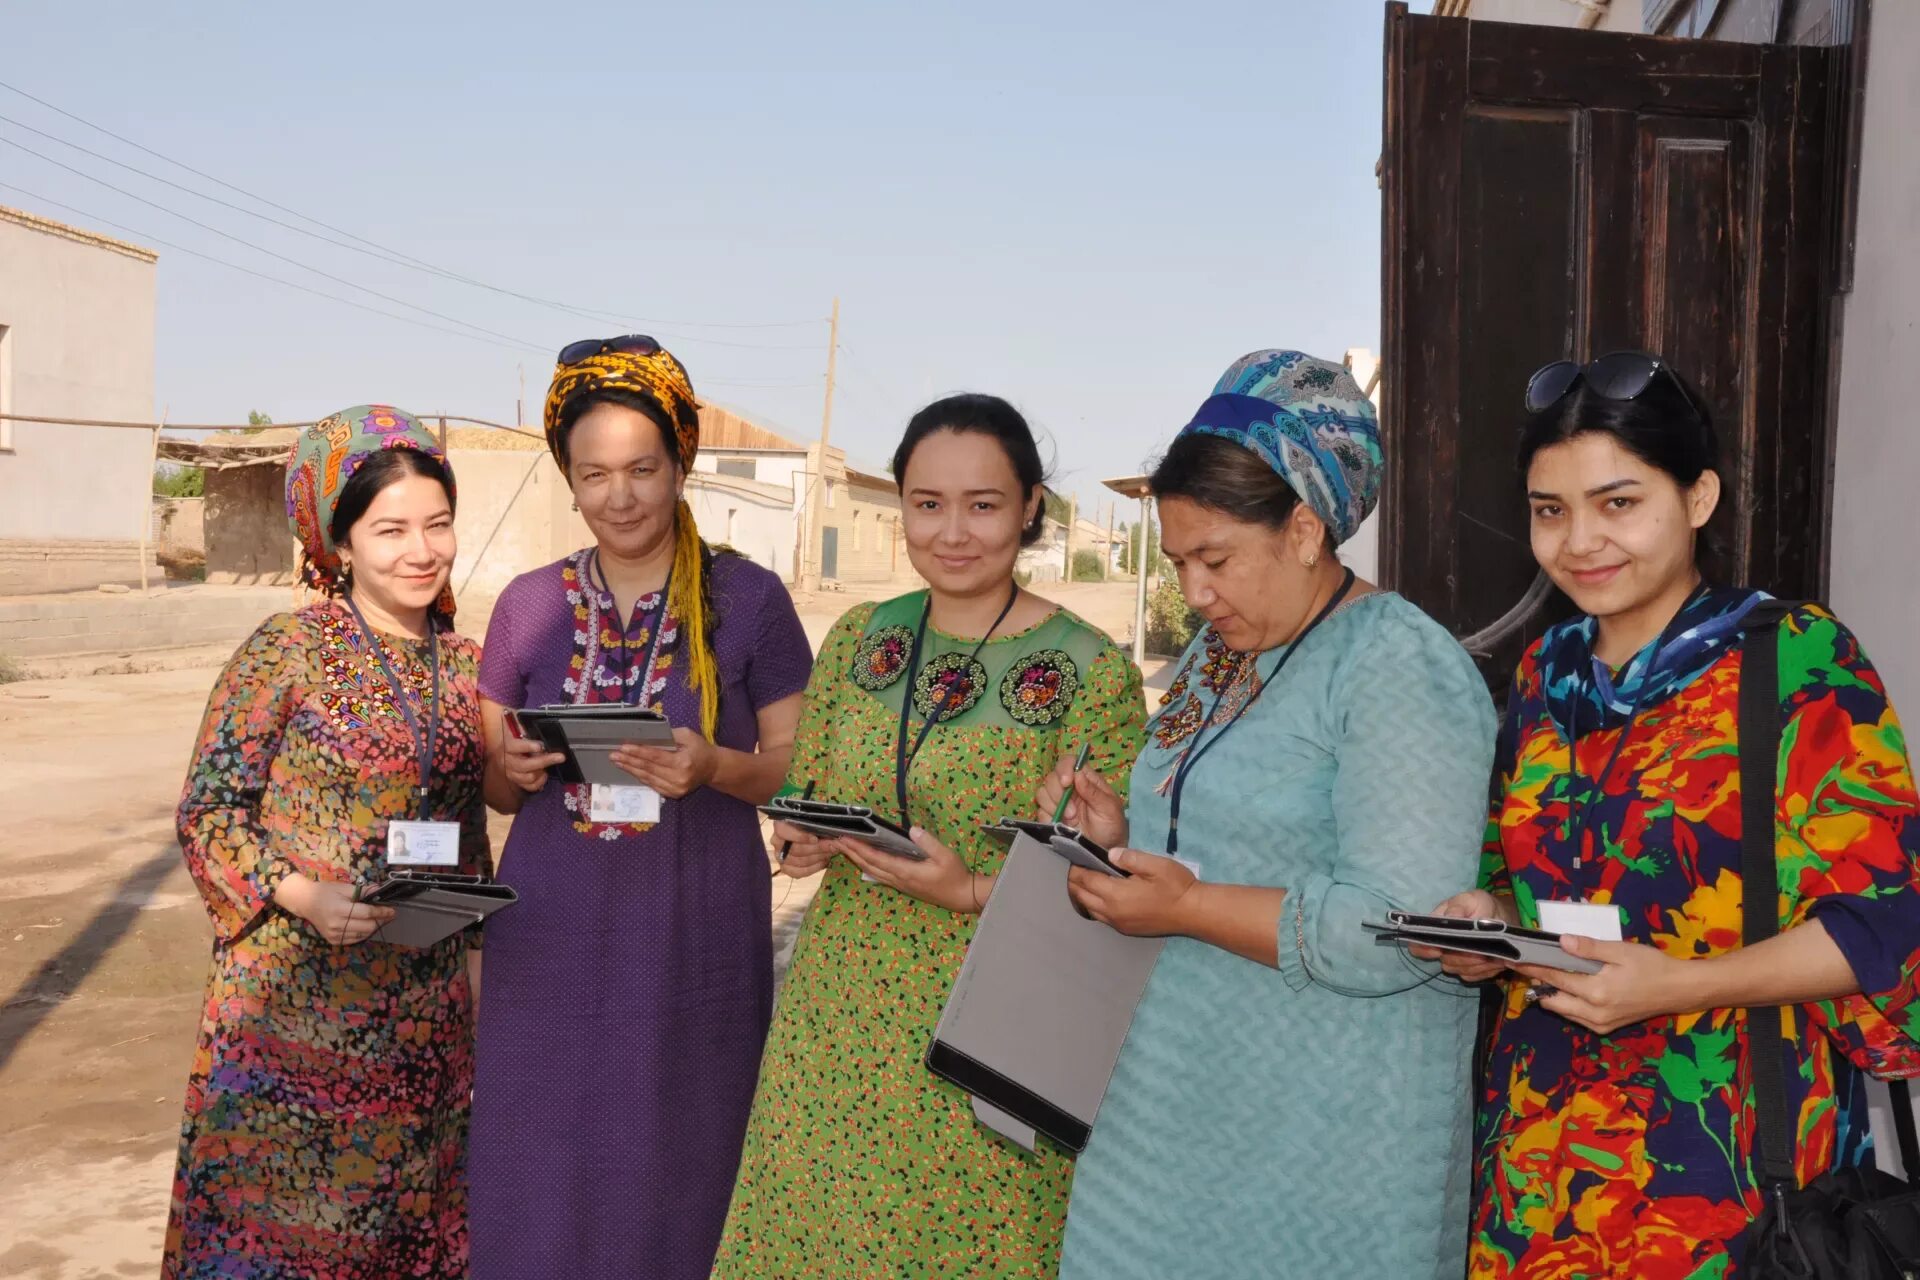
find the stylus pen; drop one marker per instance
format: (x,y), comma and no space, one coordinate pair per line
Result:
(1079,763)
(786,846)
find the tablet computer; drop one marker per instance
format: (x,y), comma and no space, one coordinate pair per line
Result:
(825,818)
(589,735)
(1069,842)
(1494,939)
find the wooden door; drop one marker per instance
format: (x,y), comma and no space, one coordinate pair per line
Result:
(1553,193)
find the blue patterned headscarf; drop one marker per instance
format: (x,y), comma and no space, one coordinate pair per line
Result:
(1311,422)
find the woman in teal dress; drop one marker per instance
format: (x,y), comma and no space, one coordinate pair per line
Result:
(1291,1098)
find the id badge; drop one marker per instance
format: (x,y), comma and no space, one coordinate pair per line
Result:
(1597,920)
(423,844)
(624,805)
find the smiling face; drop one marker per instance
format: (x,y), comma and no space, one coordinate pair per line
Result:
(402,548)
(626,479)
(1614,532)
(965,511)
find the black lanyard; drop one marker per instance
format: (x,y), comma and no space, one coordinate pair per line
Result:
(1580,812)
(423,743)
(1191,760)
(658,613)
(903,757)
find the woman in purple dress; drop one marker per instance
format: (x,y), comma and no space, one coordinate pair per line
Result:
(626,998)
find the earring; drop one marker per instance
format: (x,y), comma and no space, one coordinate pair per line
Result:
(1311,560)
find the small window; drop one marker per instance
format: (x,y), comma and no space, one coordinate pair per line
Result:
(6,389)
(829,495)
(731,513)
(741,467)
(856,531)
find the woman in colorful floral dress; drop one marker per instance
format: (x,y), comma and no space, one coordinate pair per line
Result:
(627,993)
(859,1162)
(1616,1127)
(326,1117)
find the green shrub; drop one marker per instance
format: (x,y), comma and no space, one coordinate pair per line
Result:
(11,670)
(1086,565)
(1171,625)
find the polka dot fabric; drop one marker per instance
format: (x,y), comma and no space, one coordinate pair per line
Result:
(858,1161)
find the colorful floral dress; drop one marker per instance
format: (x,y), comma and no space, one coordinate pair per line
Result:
(326,1118)
(859,1162)
(1630,1154)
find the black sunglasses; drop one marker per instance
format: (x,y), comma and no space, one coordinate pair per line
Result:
(1619,375)
(635,344)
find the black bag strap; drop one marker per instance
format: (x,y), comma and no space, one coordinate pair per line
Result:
(1759,741)
(1758,727)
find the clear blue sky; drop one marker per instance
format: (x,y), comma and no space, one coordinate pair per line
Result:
(1090,209)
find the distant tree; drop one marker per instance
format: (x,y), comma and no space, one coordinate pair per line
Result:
(1057,507)
(1130,553)
(171,481)
(257,422)
(1086,565)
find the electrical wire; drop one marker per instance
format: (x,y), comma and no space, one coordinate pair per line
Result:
(386,254)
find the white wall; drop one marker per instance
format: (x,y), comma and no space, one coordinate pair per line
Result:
(79,320)
(1876,504)
(1621,15)
(1876,501)
(757,519)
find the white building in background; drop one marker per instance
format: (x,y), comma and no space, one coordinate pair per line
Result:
(76,341)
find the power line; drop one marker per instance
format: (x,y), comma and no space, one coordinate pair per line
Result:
(291,284)
(325,275)
(392,255)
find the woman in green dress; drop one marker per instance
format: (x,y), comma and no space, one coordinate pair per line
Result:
(942,709)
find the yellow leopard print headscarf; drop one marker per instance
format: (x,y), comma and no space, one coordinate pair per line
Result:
(661,378)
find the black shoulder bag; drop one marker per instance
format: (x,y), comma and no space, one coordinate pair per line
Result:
(1849,1224)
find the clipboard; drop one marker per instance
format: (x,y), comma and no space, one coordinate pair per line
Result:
(431,907)
(1042,1004)
(589,735)
(1494,939)
(824,818)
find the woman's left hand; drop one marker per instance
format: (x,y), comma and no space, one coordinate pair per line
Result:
(674,774)
(1638,982)
(1155,899)
(942,879)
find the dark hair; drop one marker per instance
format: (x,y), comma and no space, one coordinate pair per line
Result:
(1226,477)
(1667,426)
(575,409)
(972,413)
(374,475)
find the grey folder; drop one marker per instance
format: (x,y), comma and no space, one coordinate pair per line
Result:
(1042,1004)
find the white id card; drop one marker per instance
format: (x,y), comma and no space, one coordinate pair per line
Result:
(423,844)
(623,804)
(1597,920)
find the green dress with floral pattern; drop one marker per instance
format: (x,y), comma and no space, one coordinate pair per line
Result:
(858,1160)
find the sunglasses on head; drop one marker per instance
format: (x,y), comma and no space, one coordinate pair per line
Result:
(1620,375)
(634,344)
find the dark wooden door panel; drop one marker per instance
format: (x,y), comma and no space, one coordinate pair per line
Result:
(1553,193)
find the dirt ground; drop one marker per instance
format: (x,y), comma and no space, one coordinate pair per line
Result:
(104,946)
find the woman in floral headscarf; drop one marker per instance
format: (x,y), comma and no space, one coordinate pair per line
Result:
(1288,1103)
(326,1114)
(627,994)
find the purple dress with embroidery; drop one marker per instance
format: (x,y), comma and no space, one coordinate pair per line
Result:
(625,999)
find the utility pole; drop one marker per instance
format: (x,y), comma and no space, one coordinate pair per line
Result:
(520,404)
(1106,561)
(1073,518)
(811,575)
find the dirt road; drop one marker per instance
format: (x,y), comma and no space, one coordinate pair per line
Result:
(103,952)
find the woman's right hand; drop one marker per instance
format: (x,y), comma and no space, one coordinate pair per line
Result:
(1474,904)
(525,761)
(329,907)
(809,855)
(1094,806)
